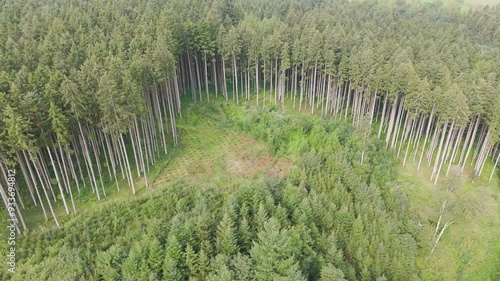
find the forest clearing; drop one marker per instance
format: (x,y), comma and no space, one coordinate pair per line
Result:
(249,140)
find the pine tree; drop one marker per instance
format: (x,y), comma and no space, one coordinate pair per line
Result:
(155,257)
(173,264)
(272,254)
(330,273)
(242,267)
(226,236)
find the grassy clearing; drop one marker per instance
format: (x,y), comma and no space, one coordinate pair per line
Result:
(208,152)
(469,249)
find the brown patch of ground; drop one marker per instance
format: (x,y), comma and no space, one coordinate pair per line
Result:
(208,153)
(247,162)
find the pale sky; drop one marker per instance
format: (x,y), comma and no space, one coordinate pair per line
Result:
(482,2)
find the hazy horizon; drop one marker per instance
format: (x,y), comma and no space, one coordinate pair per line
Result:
(482,2)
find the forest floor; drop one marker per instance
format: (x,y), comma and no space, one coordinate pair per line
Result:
(469,248)
(208,152)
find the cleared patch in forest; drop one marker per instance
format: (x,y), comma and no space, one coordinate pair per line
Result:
(209,152)
(469,248)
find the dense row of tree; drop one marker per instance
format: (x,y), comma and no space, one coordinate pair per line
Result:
(89,90)
(329,219)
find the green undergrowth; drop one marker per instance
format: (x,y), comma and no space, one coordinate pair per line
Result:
(225,198)
(244,178)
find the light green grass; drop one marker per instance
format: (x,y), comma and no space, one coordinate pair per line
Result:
(469,249)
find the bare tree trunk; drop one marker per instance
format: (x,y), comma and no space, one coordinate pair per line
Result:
(471,143)
(112,158)
(27,179)
(216,82)
(294,85)
(235,79)
(128,163)
(58,181)
(470,128)
(257,79)
(35,184)
(494,167)
(455,150)
(224,77)
(440,235)
(98,164)
(80,170)
(197,67)
(426,137)
(485,149)
(348,100)
(480,141)
(162,132)
(264,77)
(45,174)
(445,152)
(206,77)
(406,130)
(416,142)
(140,152)
(446,225)
(193,87)
(88,160)
(443,134)
(383,116)
(391,122)
(301,86)
(67,178)
(37,169)
(409,142)
(398,123)
(372,107)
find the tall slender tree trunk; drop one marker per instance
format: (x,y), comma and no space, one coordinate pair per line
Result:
(216,81)
(58,181)
(257,79)
(471,143)
(27,178)
(445,152)
(44,190)
(235,79)
(89,161)
(443,135)
(224,77)
(67,178)
(140,153)
(128,163)
(35,185)
(206,77)
(301,86)
(408,143)
(419,136)
(192,80)
(455,150)
(398,123)
(391,122)
(426,137)
(384,107)
(494,167)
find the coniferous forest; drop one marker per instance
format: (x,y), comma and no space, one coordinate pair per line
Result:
(250,140)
